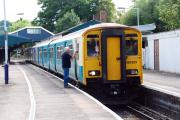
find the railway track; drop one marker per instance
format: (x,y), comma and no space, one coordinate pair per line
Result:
(135,111)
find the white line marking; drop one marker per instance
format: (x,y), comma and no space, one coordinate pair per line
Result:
(32,98)
(89,96)
(165,89)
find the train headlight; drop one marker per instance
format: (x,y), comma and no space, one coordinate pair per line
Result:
(94,73)
(132,72)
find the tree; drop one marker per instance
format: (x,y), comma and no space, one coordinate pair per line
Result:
(147,10)
(19,24)
(53,10)
(164,13)
(169,13)
(68,20)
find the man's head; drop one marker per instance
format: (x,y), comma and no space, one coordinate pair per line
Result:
(67,49)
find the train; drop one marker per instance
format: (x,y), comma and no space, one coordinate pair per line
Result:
(108,59)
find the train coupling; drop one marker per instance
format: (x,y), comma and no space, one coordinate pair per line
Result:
(116,90)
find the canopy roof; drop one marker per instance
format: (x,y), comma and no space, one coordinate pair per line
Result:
(13,40)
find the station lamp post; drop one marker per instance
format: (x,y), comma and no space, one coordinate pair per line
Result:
(6,47)
(20,14)
(137,14)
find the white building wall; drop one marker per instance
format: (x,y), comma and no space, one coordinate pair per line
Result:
(149,63)
(169,51)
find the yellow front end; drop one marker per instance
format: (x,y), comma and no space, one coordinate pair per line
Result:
(120,59)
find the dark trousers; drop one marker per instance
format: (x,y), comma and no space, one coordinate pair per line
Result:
(66,76)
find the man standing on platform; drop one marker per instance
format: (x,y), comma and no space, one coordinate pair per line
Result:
(66,64)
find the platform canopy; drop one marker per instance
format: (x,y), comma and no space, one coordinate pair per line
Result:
(13,40)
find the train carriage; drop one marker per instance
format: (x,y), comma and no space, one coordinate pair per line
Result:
(109,59)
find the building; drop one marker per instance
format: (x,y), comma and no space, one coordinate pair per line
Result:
(162,51)
(101,16)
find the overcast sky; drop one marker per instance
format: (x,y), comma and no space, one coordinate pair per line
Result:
(30,8)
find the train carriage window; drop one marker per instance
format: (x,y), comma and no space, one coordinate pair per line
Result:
(70,46)
(45,54)
(59,52)
(92,45)
(71,49)
(51,52)
(131,47)
(40,53)
(77,51)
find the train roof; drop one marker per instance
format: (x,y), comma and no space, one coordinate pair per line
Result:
(79,33)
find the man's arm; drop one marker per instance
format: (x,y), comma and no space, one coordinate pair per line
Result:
(74,55)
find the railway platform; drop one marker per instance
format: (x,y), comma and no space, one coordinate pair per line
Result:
(161,92)
(35,94)
(162,81)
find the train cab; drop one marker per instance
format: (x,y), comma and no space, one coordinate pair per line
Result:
(113,60)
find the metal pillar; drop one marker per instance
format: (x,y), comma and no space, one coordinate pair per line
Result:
(137,14)
(6,47)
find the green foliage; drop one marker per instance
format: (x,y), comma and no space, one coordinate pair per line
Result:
(147,10)
(18,24)
(169,13)
(53,10)
(68,20)
(164,13)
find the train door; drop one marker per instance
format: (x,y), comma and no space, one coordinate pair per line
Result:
(113,54)
(113,58)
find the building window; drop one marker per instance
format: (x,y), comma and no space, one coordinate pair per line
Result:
(34,31)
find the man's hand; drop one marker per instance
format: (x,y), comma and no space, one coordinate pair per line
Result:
(74,55)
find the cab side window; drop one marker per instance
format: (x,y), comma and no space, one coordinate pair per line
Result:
(92,45)
(131,47)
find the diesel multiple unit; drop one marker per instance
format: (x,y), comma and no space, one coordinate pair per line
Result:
(108,60)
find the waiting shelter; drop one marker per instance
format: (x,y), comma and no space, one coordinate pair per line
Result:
(13,43)
(21,36)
